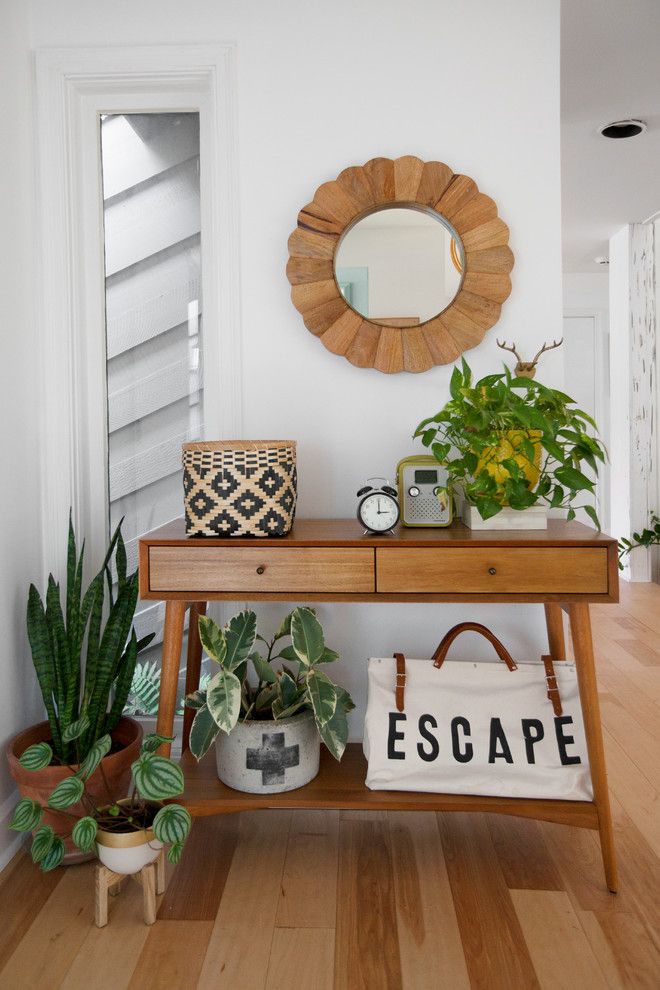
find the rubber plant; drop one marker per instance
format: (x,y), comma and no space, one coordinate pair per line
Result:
(85,650)
(155,779)
(277,681)
(509,441)
(649,537)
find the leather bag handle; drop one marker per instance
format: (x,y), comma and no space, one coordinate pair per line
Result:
(440,654)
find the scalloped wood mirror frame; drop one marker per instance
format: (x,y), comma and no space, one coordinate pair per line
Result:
(356,192)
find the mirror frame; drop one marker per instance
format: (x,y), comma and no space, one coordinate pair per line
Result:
(405,181)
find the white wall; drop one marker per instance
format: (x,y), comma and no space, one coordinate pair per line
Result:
(325,85)
(19,493)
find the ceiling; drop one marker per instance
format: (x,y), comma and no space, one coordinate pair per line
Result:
(610,67)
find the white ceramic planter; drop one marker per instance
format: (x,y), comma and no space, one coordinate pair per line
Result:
(127,858)
(268,757)
(536,517)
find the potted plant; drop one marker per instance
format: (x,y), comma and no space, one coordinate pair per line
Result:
(509,441)
(267,711)
(84,653)
(649,537)
(127,833)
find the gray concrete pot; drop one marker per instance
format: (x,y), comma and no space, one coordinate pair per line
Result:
(268,757)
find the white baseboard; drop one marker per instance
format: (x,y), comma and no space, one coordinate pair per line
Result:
(10,842)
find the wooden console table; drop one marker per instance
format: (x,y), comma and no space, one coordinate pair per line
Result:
(566,566)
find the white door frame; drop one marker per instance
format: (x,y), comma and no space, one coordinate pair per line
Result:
(73,87)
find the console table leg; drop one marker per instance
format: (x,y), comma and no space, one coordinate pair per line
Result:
(175,612)
(555,625)
(586,673)
(193,666)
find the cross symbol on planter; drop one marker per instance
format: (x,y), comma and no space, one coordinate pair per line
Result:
(272,758)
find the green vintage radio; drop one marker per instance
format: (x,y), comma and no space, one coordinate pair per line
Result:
(424,497)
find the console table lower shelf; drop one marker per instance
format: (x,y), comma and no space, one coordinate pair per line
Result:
(341,785)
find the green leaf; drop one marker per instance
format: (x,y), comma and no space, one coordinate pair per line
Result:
(54,856)
(100,749)
(265,698)
(69,791)
(487,507)
(334,733)
(440,451)
(76,729)
(328,656)
(153,740)
(213,639)
(27,815)
(174,853)
(573,479)
(285,627)
(455,384)
(240,634)
(288,689)
(428,436)
(223,699)
(36,757)
(157,777)
(307,636)
(344,700)
(323,696)
(570,514)
(172,824)
(264,670)
(593,515)
(202,733)
(289,654)
(197,699)
(84,833)
(42,840)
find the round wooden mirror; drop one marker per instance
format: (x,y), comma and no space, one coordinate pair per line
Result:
(399,265)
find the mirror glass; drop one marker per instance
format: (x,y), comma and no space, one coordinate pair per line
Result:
(400,265)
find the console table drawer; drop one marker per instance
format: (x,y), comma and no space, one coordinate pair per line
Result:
(502,570)
(262,569)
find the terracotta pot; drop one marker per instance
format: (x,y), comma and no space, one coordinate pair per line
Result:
(127,852)
(38,784)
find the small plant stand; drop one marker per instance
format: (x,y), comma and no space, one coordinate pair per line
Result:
(151,878)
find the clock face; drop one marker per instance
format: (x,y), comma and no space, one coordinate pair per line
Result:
(378,512)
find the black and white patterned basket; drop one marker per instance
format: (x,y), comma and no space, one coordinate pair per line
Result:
(239,487)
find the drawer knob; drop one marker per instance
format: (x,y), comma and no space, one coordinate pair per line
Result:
(260,569)
(492,570)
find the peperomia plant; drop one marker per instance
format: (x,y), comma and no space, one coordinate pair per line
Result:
(278,682)
(155,779)
(513,441)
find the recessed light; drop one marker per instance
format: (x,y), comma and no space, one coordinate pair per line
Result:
(600,260)
(623,129)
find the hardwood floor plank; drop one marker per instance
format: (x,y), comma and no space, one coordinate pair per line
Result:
(236,959)
(640,800)
(429,937)
(638,744)
(523,856)
(24,890)
(302,956)
(561,953)
(602,950)
(49,947)
(632,945)
(196,885)
(172,956)
(366,946)
(308,894)
(495,950)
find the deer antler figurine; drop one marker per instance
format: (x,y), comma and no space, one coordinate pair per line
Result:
(527,369)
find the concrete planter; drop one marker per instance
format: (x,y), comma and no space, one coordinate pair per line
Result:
(268,757)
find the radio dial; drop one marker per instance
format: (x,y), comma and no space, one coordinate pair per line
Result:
(413,491)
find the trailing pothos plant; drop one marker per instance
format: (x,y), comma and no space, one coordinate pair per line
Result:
(155,779)
(509,441)
(85,651)
(649,537)
(276,682)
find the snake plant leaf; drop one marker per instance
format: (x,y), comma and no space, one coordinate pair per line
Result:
(174,853)
(153,740)
(264,670)
(202,733)
(36,757)
(54,856)
(172,824)
(323,696)
(42,840)
(69,791)
(27,815)
(240,634)
(75,729)
(223,699)
(213,639)
(334,733)
(84,833)
(157,777)
(100,749)
(110,651)
(124,681)
(307,636)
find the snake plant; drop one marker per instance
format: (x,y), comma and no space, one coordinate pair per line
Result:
(85,650)
(248,685)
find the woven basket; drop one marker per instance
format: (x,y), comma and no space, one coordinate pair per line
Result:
(239,487)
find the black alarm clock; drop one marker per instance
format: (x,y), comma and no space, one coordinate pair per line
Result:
(378,508)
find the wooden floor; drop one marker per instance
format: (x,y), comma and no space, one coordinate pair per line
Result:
(314,899)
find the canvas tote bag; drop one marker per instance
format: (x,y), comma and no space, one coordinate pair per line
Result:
(457,727)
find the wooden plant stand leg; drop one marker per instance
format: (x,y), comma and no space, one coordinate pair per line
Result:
(160,873)
(147,878)
(586,673)
(193,665)
(175,612)
(555,625)
(151,878)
